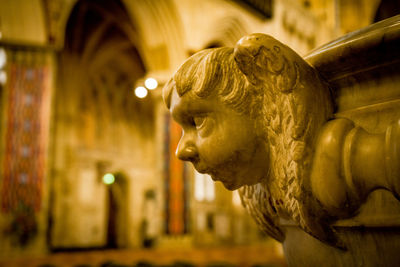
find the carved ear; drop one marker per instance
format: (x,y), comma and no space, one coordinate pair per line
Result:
(264,59)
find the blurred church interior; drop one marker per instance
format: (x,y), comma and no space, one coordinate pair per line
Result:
(87,147)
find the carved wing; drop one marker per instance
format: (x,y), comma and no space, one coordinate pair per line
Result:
(296,103)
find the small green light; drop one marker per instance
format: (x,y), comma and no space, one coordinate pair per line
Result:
(108,178)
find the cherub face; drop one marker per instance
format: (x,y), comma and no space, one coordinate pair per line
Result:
(219,141)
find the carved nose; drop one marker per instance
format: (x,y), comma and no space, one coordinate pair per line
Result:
(186,150)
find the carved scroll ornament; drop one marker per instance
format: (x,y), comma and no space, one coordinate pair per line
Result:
(260,118)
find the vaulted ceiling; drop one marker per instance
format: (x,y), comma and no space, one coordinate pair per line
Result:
(100,33)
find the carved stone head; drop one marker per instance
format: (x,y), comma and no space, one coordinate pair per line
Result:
(216,106)
(250,116)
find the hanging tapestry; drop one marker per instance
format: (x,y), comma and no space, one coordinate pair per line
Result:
(176,182)
(25,132)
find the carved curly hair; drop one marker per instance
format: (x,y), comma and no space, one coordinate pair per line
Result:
(214,72)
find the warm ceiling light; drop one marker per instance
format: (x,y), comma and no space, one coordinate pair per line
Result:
(141,92)
(151,83)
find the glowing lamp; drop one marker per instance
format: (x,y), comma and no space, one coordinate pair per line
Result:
(151,83)
(141,92)
(108,179)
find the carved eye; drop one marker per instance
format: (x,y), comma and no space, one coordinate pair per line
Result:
(199,121)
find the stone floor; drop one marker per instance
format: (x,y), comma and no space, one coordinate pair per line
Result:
(244,256)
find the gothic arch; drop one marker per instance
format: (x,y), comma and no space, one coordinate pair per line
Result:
(159,35)
(97,117)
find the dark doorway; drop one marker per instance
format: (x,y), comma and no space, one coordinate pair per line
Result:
(117,212)
(112,219)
